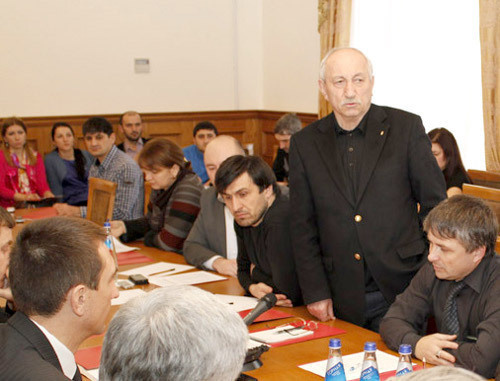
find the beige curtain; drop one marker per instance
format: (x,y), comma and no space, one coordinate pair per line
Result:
(489,14)
(334,27)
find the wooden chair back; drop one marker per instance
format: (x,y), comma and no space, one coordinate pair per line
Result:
(147,195)
(485,178)
(490,195)
(101,200)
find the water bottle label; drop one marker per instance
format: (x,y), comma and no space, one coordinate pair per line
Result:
(370,373)
(335,373)
(403,371)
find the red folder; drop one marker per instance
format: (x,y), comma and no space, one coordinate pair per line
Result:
(89,358)
(40,213)
(131,257)
(322,331)
(272,314)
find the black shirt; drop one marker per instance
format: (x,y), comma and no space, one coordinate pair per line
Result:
(268,247)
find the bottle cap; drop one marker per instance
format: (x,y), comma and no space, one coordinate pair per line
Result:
(334,343)
(370,346)
(107,224)
(405,349)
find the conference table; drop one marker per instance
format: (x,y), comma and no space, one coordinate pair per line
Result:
(279,363)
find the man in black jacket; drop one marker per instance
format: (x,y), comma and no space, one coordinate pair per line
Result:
(357,178)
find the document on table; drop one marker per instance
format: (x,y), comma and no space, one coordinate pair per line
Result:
(238,303)
(126,295)
(195,277)
(279,334)
(159,268)
(353,363)
(121,248)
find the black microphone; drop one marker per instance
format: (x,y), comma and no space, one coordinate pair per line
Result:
(265,303)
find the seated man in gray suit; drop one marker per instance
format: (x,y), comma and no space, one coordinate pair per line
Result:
(212,244)
(63,290)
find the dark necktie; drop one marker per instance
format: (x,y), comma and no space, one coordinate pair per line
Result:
(77,376)
(450,320)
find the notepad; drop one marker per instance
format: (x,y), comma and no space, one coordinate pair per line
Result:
(279,334)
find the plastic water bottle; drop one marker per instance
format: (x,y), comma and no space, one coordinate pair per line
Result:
(109,240)
(334,366)
(369,369)
(404,364)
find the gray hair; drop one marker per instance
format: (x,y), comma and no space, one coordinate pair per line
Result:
(467,219)
(176,333)
(288,124)
(440,373)
(322,66)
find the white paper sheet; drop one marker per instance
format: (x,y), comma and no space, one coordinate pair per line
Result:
(353,363)
(91,374)
(254,344)
(238,303)
(195,277)
(121,248)
(126,295)
(279,334)
(148,270)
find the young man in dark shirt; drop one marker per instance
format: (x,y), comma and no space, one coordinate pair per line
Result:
(261,215)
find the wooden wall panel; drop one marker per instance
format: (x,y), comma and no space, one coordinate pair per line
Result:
(248,126)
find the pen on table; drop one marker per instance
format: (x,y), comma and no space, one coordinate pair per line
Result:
(423,362)
(161,272)
(288,330)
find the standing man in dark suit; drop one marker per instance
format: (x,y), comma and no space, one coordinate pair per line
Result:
(62,277)
(357,177)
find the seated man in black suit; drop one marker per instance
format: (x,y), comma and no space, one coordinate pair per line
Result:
(261,215)
(131,127)
(62,277)
(7,223)
(459,286)
(211,243)
(180,333)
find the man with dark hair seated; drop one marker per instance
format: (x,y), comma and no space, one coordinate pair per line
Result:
(459,286)
(113,165)
(7,223)
(261,215)
(62,277)
(203,133)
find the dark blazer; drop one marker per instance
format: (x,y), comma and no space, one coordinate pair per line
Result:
(25,352)
(398,171)
(122,147)
(208,234)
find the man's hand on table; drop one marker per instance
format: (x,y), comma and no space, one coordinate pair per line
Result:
(432,348)
(258,290)
(226,266)
(67,210)
(322,310)
(118,228)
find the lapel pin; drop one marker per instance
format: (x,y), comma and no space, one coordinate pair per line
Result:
(381,132)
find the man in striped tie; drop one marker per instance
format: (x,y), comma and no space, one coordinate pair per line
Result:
(459,287)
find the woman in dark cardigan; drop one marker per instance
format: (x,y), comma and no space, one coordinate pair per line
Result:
(174,202)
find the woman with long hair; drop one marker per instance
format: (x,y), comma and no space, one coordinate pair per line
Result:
(174,202)
(22,173)
(67,167)
(445,150)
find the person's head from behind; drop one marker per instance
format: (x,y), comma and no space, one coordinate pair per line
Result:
(461,230)
(63,136)
(7,223)
(99,136)
(285,127)
(218,150)
(61,266)
(439,373)
(130,125)
(203,133)
(161,161)
(248,187)
(14,133)
(179,333)
(445,150)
